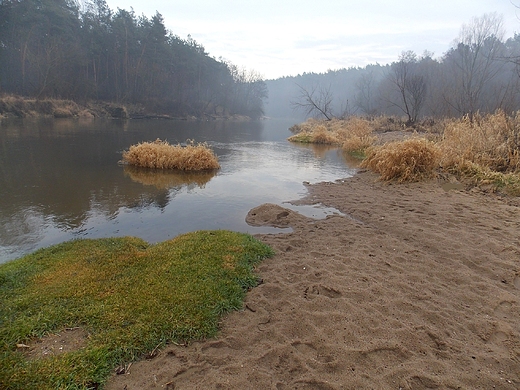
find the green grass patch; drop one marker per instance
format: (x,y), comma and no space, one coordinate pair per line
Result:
(303,137)
(357,154)
(128,296)
(508,183)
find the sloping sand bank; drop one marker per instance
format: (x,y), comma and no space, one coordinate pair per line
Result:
(416,287)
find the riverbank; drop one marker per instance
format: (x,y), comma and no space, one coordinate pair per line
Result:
(417,286)
(12,106)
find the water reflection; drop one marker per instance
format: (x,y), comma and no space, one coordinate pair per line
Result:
(60,179)
(165,179)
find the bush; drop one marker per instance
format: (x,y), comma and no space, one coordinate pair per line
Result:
(353,134)
(318,134)
(357,135)
(160,154)
(492,142)
(413,159)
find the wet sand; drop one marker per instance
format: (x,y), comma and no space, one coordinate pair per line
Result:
(415,286)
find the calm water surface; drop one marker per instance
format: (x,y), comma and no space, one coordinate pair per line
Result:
(60,179)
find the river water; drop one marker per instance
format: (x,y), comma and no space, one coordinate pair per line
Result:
(60,179)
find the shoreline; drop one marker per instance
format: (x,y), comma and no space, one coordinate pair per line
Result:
(14,106)
(417,286)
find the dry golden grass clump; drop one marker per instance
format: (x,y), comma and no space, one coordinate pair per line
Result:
(322,135)
(306,126)
(314,132)
(413,159)
(161,155)
(385,123)
(357,135)
(491,141)
(353,134)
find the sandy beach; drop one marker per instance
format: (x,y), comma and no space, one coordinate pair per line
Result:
(415,286)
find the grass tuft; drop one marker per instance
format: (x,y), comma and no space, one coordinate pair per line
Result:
(318,134)
(357,136)
(413,159)
(354,135)
(161,155)
(491,141)
(128,296)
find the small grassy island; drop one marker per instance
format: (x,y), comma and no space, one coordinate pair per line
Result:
(161,155)
(123,297)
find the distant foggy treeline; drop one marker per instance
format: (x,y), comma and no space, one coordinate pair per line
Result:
(479,73)
(52,48)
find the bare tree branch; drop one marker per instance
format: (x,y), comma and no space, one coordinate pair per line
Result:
(315,102)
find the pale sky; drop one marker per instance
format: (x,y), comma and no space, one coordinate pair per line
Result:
(290,37)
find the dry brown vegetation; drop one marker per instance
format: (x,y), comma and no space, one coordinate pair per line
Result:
(491,141)
(353,134)
(484,151)
(161,155)
(413,159)
(22,107)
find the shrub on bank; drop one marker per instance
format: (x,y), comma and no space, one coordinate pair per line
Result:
(357,135)
(413,159)
(491,142)
(161,155)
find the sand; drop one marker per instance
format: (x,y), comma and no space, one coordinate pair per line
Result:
(415,286)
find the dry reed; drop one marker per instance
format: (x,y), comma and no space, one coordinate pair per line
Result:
(491,141)
(410,160)
(357,135)
(317,133)
(485,151)
(353,134)
(161,155)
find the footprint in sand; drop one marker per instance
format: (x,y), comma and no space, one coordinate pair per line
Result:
(315,290)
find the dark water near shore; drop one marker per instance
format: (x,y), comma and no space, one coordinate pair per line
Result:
(60,179)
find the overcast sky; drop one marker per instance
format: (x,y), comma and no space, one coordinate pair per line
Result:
(288,37)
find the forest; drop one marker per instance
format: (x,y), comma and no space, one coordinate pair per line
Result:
(480,72)
(57,49)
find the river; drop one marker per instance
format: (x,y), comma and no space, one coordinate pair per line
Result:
(60,179)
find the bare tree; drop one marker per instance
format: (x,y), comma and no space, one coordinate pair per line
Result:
(315,102)
(409,87)
(474,62)
(364,98)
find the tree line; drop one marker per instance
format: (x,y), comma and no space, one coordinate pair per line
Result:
(57,49)
(479,73)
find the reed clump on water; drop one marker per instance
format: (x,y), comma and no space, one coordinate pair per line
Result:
(161,155)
